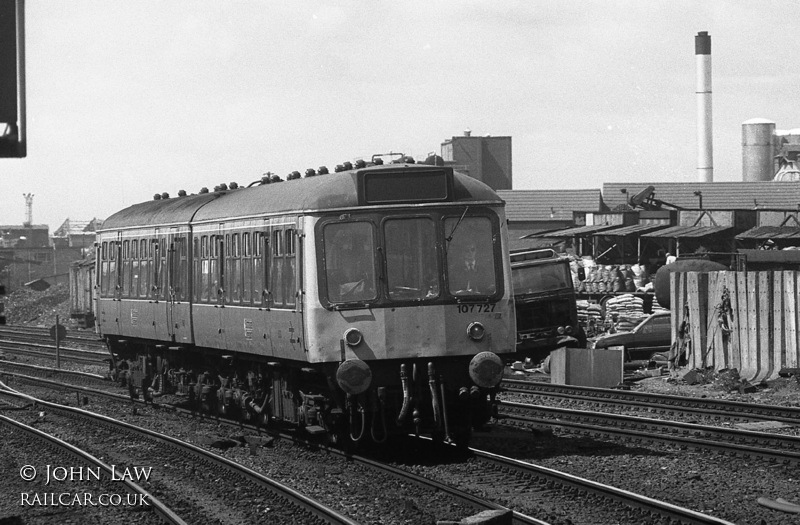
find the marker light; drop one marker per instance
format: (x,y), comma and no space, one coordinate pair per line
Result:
(352,336)
(476,331)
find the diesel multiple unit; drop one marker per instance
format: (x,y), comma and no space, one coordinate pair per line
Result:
(357,304)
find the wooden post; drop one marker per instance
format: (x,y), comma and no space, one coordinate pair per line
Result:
(734,342)
(58,346)
(765,336)
(750,355)
(790,312)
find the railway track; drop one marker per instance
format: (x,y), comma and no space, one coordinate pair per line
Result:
(215,485)
(70,454)
(426,486)
(730,441)
(532,482)
(524,485)
(38,334)
(668,405)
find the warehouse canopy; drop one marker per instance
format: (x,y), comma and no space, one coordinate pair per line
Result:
(771,232)
(636,229)
(681,232)
(580,230)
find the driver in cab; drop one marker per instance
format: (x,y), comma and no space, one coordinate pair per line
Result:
(474,275)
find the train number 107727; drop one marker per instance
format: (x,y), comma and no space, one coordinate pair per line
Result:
(476,308)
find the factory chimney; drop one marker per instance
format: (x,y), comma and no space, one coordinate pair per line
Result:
(28,209)
(705,153)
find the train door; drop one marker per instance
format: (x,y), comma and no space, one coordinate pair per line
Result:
(169,285)
(178,311)
(206,324)
(151,316)
(109,306)
(285,327)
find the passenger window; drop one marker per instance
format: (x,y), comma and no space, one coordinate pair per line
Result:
(290,240)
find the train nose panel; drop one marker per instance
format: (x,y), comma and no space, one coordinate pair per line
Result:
(486,369)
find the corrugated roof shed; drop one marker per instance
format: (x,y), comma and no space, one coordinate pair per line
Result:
(716,195)
(696,232)
(548,205)
(771,232)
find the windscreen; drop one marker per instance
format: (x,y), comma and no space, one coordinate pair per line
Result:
(350,262)
(411,259)
(470,256)
(541,278)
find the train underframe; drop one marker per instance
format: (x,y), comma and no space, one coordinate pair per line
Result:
(414,396)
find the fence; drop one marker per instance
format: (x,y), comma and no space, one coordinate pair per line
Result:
(743,320)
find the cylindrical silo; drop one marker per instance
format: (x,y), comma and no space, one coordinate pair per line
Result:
(758,152)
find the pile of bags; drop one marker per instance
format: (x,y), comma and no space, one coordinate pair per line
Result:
(628,310)
(608,278)
(590,316)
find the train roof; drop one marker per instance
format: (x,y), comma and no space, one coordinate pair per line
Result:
(179,210)
(310,194)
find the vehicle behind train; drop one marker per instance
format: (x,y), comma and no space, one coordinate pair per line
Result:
(357,304)
(546,310)
(81,292)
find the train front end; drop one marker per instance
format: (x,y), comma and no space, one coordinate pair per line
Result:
(411,310)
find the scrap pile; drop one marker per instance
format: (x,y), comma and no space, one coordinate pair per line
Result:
(26,306)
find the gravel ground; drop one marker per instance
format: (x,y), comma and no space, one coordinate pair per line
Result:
(360,492)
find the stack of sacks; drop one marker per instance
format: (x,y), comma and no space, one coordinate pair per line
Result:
(629,310)
(658,308)
(588,312)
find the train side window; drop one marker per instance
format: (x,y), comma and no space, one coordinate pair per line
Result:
(196,269)
(234,273)
(276,269)
(163,269)
(289,268)
(247,267)
(113,278)
(143,268)
(258,269)
(204,270)
(213,267)
(290,240)
(126,269)
(134,268)
(105,276)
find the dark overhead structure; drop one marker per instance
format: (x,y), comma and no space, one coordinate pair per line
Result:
(12,79)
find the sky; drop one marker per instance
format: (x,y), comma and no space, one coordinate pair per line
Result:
(129,99)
